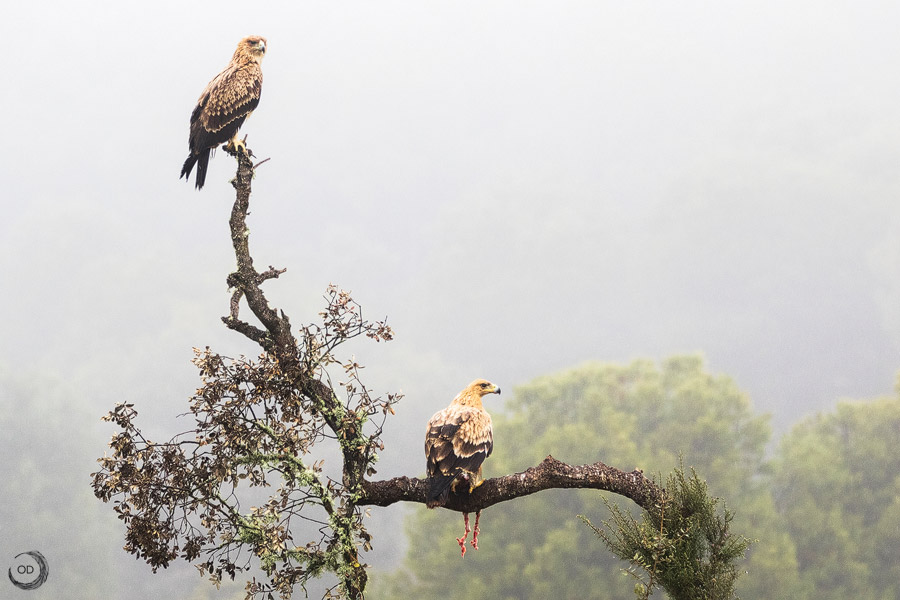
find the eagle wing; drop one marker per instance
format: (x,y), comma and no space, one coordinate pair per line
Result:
(458,439)
(233,94)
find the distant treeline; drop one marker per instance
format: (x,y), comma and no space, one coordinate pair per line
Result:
(824,508)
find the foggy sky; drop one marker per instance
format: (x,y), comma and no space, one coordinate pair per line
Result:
(518,186)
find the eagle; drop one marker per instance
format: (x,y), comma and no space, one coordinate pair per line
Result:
(457,440)
(222,107)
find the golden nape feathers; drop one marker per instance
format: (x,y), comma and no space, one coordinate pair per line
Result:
(224,105)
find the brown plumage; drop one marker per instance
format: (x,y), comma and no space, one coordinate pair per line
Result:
(457,440)
(222,107)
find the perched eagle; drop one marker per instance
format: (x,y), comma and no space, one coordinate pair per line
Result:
(227,100)
(457,440)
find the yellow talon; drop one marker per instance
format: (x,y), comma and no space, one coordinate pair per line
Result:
(236,145)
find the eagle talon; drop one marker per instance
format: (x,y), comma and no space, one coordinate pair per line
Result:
(237,146)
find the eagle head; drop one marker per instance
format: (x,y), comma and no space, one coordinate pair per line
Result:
(471,396)
(483,387)
(254,46)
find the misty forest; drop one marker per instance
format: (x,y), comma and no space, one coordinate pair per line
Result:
(670,234)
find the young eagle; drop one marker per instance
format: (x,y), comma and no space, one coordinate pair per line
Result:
(457,440)
(222,107)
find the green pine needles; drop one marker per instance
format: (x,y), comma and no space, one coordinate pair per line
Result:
(681,545)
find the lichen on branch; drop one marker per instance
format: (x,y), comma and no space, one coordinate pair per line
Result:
(257,425)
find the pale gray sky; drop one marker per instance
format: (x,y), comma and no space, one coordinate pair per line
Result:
(518,186)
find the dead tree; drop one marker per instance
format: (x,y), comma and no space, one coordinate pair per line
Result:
(257,422)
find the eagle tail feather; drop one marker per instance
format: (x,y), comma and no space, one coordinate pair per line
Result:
(202,162)
(188,167)
(438,490)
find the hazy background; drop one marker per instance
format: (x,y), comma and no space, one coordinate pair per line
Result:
(518,186)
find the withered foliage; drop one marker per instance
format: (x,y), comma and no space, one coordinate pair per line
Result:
(255,427)
(245,486)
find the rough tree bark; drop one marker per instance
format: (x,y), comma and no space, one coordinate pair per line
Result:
(276,338)
(550,474)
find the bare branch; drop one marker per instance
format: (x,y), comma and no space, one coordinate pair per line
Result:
(550,473)
(254,333)
(271,273)
(255,423)
(246,279)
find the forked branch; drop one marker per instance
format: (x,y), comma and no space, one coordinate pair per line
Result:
(257,420)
